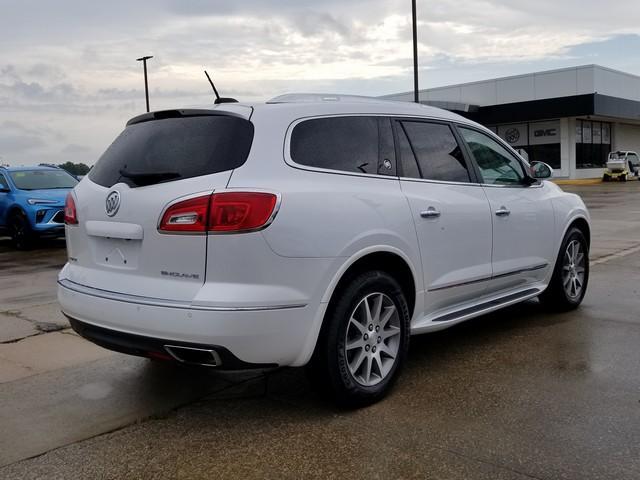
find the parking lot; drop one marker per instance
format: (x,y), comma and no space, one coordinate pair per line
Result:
(517,394)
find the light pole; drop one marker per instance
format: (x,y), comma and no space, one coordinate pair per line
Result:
(146,83)
(416,93)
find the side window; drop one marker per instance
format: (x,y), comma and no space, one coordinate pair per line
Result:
(3,183)
(437,152)
(408,161)
(350,144)
(497,165)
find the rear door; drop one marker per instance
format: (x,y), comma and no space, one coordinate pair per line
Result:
(450,211)
(154,162)
(522,213)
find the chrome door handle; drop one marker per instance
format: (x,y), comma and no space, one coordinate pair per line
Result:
(503,212)
(430,213)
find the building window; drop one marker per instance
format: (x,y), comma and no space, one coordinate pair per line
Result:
(541,140)
(593,143)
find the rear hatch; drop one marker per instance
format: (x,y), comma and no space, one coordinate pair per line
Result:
(158,159)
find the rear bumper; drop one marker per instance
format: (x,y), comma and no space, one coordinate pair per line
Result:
(243,338)
(155,347)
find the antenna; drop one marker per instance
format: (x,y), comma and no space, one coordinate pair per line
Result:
(219,99)
(212,85)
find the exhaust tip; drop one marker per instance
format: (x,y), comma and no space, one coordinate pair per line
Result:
(194,356)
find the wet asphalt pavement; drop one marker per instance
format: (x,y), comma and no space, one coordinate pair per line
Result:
(517,394)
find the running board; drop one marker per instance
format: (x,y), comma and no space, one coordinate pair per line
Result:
(488,306)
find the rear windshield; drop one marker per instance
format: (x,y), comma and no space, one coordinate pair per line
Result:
(174,148)
(42,179)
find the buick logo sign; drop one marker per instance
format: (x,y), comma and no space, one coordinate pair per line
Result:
(512,135)
(112,204)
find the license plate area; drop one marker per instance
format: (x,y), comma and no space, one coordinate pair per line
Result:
(117,253)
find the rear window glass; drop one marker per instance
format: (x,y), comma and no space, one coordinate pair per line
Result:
(42,179)
(174,148)
(350,144)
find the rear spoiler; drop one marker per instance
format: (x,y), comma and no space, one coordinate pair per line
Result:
(191,112)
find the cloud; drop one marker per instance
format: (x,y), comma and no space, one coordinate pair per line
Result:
(16,144)
(74,149)
(17,139)
(69,69)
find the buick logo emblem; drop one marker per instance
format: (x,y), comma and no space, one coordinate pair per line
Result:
(512,135)
(112,204)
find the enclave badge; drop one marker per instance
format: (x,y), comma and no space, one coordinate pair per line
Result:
(112,204)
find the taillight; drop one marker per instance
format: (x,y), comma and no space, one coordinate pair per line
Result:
(187,216)
(240,211)
(225,212)
(70,212)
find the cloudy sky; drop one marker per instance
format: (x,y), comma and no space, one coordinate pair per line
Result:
(69,79)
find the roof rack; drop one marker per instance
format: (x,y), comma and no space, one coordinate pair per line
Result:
(48,165)
(323,97)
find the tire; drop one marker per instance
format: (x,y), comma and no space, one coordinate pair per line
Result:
(20,231)
(563,294)
(606,178)
(623,178)
(334,368)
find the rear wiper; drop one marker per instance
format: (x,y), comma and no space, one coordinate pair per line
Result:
(148,178)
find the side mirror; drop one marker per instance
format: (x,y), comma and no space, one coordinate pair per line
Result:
(541,171)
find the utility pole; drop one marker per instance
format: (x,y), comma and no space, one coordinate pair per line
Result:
(146,83)
(416,93)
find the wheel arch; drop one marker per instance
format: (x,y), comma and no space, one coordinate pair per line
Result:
(391,259)
(581,224)
(15,209)
(388,260)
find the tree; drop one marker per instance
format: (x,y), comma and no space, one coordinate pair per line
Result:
(75,168)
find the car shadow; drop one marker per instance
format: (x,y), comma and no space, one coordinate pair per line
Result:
(427,352)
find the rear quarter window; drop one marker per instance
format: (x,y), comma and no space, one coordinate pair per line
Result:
(349,144)
(173,149)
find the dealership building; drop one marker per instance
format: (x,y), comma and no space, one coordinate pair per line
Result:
(569,118)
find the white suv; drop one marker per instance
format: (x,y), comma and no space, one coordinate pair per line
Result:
(311,230)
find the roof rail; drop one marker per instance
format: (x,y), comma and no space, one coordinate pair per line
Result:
(323,97)
(48,165)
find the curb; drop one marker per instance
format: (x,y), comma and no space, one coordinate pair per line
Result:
(584,181)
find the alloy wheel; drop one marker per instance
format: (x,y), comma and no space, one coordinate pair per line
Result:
(573,270)
(372,339)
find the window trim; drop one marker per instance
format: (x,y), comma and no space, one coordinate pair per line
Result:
(397,123)
(475,182)
(528,180)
